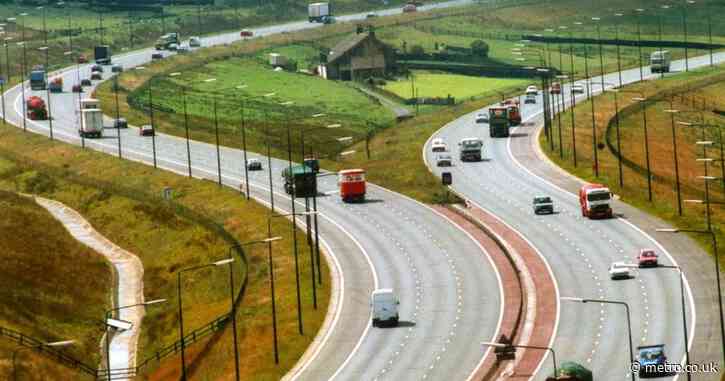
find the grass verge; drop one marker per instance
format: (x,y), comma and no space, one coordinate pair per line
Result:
(52,287)
(122,200)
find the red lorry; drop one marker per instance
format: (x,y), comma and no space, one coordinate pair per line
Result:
(36,108)
(595,200)
(514,114)
(352,185)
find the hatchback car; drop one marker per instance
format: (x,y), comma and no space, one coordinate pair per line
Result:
(577,88)
(482,117)
(116,68)
(530,98)
(444,160)
(438,145)
(86,82)
(157,56)
(96,69)
(146,130)
(96,76)
(619,270)
(555,88)
(77,89)
(543,204)
(647,258)
(120,123)
(246,33)
(194,42)
(254,164)
(532,90)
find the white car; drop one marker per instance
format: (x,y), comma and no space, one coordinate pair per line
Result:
(532,90)
(577,88)
(482,117)
(619,270)
(173,47)
(444,160)
(438,145)
(194,42)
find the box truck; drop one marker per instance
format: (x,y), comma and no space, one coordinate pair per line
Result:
(319,12)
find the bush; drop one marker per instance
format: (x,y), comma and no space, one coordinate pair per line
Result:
(479,48)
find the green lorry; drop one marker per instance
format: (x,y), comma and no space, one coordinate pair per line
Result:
(498,122)
(300,179)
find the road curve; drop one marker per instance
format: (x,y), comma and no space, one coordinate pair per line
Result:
(579,250)
(450,292)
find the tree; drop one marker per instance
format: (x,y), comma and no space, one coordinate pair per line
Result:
(417,50)
(479,48)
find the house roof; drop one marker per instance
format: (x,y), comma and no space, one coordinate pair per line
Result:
(345,46)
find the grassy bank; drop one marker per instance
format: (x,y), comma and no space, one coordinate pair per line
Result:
(123,201)
(53,288)
(430,85)
(661,157)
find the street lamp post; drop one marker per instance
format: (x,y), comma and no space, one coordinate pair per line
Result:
(297,272)
(643,110)
(216,133)
(672,113)
(267,241)
(601,54)
(503,345)
(664,7)
(186,122)
(118,115)
(571,94)
(108,315)
(619,52)
(684,30)
(244,143)
(47,91)
(684,315)
(639,42)
(22,88)
(41,345)
(181,315)
(711,233)
(619,147)
(7,74)
(629,324)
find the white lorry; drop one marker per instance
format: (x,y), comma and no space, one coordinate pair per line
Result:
(385,304)
(319,12)
(91,117)
(660,61)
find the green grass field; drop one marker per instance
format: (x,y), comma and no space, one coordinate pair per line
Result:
(458,86)
(122,200)
(53,288)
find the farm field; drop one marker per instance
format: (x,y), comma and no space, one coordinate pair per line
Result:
(430,85)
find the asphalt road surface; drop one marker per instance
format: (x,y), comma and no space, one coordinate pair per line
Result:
(578,250)
(450,293)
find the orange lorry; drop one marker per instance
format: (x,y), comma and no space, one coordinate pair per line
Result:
(352,185)
(514,113)
(36,108)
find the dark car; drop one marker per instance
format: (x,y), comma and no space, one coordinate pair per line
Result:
(86,82)
(543,204)
(116,68)
(77,88)
(120,123)
(96,68)
(96,76)
(254,165)
(146,130)
(157,56)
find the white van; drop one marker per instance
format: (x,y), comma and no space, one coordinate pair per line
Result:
(385,307)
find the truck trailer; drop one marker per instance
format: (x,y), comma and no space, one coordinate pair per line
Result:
(319,12)
(165,41)
(300,181)
(102,54)
(91,117)
(38,80)
(595,200)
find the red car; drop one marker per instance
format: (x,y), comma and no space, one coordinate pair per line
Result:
(647,258)
(246,33)
(146,130)
(77,89)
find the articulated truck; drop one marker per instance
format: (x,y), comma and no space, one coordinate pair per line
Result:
(660,61)
(595,200)
(319,12)
(91,116)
